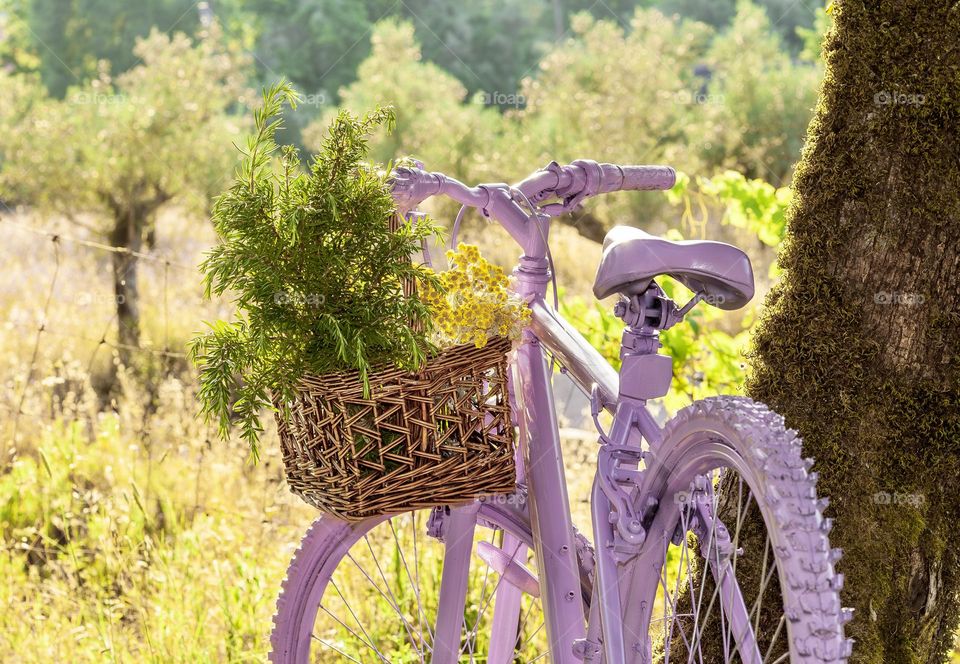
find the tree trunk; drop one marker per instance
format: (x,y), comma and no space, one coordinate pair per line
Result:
(858,345)
(127,233)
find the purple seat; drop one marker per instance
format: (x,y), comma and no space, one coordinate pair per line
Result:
(632,259)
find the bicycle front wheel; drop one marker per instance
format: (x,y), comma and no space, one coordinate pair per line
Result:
(743,569)
(374,592)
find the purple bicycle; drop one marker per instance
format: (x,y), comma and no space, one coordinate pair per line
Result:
(509,579)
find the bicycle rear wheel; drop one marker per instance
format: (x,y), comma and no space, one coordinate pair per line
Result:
(370,592)
(742,566)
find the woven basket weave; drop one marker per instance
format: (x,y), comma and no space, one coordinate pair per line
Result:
(440,436)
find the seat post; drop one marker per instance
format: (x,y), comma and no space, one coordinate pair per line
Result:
(645,373)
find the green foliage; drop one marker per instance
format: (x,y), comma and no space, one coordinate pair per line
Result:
(812,37)
(488,45)
(127,538)
(313,266)
(752,205)
(317,44)
(118,147)
(787,17)
(71,37)
(616,94)
(758,103)
(433,122)
(17,52)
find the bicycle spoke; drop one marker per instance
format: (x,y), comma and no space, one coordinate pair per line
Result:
(724,599)
(783,621)
(391,601)
(483,594)
(523,621)
(533,635)
(757,605)
(734,544)
(539,657)
(347,627)
(406,569)
(782,658)
(416,586)
(335,648)
(493,594)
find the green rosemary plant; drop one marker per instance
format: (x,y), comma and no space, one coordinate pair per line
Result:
(314,270)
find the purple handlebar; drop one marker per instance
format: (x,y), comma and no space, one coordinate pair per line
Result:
(567,185)
(644,178)
(576,181)
(584,178)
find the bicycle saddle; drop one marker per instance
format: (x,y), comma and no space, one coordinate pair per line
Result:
(632,258)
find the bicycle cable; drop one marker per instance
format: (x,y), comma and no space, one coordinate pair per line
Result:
(456,226)
(553,270)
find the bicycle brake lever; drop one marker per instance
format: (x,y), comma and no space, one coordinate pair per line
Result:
(410,186)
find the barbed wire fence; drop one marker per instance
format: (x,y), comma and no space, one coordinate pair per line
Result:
(44,327)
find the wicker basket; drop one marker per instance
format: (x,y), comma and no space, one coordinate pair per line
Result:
(440,436)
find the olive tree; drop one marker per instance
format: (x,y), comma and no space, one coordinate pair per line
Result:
(859,346)
(435,121)
(116,150)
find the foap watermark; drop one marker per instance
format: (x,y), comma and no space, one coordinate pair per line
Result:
(512,499)
(97,98)
(897,98)
(285,298)
(714,299)
(315,99)
(895,498)
(894,297)
(97,299)
(699,97)
(502,99)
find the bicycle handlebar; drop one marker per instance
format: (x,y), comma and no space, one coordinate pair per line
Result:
(569,184)
(583,178)
(573,183)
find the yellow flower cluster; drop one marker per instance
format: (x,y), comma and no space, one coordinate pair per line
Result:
(475,303)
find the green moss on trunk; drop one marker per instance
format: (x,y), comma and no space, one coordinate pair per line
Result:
(858,347)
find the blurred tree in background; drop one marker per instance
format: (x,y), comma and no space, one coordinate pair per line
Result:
(434,120)
(758,101)
(121,148)
(17,52)
(659,91)
(72,36)
(484,91)
(489,45)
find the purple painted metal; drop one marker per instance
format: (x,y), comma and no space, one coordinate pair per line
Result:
(630,554)
(506,614)
(549,505)
(458,529)
(513,572)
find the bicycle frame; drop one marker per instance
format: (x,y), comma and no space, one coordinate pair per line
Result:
(652,487)
(541,462)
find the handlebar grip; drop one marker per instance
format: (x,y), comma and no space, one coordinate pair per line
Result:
(636,178)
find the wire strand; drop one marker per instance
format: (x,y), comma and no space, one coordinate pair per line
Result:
(100,246)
